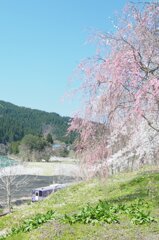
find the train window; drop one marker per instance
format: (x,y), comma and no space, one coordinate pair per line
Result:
(40,193)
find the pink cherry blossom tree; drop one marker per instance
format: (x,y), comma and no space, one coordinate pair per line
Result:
(120,84)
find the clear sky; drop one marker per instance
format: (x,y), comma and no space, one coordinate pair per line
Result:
(41,42)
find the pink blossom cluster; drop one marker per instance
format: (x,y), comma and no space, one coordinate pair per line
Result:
(120,84)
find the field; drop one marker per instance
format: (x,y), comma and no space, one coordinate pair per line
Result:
(127,189)
(41,174)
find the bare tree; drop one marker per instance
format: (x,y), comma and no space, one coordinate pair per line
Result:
(12,181)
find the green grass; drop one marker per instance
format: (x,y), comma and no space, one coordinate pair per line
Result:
(117,190)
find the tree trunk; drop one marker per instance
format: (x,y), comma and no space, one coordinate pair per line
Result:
(8,191)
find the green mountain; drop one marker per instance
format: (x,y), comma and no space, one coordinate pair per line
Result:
(16,122)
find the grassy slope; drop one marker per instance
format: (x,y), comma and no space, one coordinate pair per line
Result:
(123,188)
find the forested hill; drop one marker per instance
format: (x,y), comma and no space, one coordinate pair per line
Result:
(16,122)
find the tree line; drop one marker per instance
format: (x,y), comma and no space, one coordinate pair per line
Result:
(16,122)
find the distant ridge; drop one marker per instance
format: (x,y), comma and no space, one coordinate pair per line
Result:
(16,122)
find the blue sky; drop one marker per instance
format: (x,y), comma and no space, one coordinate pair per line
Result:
(41,42)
